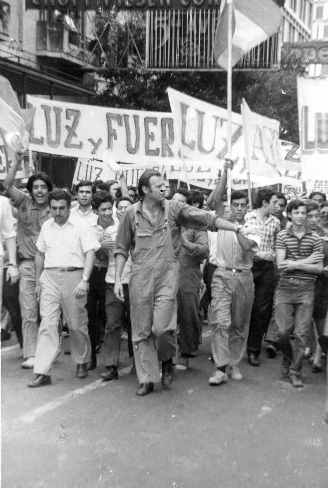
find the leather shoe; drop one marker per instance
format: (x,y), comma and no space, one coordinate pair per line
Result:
(323,341)
(145,389)
(40,380)
(167,373)
(82,370)
(271,351)
(253,360)
(296,381)
(110,374)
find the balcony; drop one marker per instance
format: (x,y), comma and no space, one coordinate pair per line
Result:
(58,43)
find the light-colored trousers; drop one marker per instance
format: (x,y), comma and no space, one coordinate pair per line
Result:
(57,293)
(29,307)
(229,315)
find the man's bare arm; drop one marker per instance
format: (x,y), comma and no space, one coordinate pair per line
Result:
(8,183)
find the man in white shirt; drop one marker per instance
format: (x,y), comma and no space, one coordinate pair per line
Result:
(64,261)
(7,236)
(84,211)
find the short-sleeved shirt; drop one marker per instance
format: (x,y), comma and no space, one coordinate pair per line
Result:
(88,217)
(179,214)
(230,254)
(30,219)
(7,222)
(267,229)
(65,245)
(300,248)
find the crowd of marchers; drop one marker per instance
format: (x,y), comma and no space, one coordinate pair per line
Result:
(113,262)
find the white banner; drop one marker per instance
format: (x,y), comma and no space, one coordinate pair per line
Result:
(92,170)
(87,131)
(202,136)
(313,127)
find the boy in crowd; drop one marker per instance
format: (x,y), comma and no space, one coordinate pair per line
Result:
(299,255)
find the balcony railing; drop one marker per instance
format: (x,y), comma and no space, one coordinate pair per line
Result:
(55,41)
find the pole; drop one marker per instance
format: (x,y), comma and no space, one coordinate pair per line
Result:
(247,153)
(229,99)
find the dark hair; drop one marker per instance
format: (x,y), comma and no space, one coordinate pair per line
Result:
(100,185)
(324,204)
(263,196)
(310,206)
(281,196)
(238,194)
(83,183)
(195,196)
(183,192)
(38,176)
(102,197)
(144,180)
(295,204)
(318,193)
(60,194)
(123,199)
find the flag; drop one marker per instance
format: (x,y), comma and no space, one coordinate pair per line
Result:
(253,21)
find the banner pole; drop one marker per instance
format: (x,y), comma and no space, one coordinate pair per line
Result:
(229,99)
(247,154)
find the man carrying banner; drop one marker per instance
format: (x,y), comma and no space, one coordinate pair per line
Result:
(150,229)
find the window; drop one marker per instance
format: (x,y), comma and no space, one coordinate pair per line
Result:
(319,13)
(325,31)
(4,16)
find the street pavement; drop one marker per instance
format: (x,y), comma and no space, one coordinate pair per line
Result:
(258,433)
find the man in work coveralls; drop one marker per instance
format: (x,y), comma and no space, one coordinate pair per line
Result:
(150,230)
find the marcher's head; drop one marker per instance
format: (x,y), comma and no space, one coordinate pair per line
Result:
(281,205)
(313,215)
(39,187)
(195,198)
(267,200)
(151,186)
(297,212)
(239,203)
(60,205)
(113,188)
(121,205)
(132,191)
(324,214)
(181,195)
(103,206)
(167,189)
(318,197)
(99,186)
(84,193)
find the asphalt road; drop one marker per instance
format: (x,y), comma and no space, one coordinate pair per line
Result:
(258,433)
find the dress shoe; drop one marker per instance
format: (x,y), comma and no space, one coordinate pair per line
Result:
(235,373)
(28,363)
(40,380)
(82,370)
(145,389)
(253,360)
(110,374)
(167,373)
(296,381)
(218,378)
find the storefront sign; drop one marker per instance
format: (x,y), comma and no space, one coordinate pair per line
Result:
(121,4)
(313,52)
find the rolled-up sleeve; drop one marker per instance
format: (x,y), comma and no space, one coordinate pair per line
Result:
(7,220)
(124,235)
(89,241)
(189,216)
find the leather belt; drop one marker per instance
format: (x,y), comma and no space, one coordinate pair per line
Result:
(69,268)
(233,270)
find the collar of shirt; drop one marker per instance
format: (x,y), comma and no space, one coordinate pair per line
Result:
(255,215)
(139,209)
(82,212)
(69,221)
(290,230)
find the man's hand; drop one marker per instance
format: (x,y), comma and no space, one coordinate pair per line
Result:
(108,244)
(82,289)
(287,265)
(118,290)
(12,274)
(183,238)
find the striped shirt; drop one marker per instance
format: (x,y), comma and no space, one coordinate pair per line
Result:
(267,230)
(299,248)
